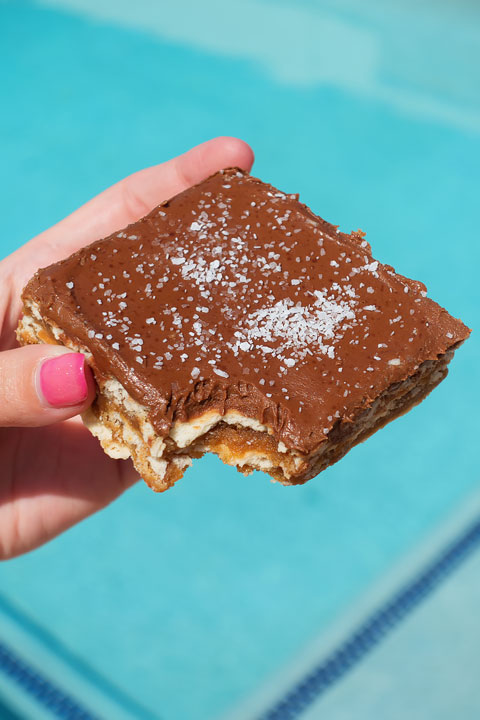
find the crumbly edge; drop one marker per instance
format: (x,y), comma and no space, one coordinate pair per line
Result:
(124,430)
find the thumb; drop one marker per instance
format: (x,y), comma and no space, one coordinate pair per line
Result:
(43,384)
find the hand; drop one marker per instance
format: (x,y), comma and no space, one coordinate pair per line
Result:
(53,473)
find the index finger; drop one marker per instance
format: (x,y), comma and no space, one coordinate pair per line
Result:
(130,199)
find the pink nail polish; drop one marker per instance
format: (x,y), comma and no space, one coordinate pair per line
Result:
(62,380)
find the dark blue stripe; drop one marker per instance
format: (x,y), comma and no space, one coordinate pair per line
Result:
(335,666)
(79,665)
(7,713)
(44,691)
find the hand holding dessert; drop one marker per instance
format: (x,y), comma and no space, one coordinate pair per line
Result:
(193,308)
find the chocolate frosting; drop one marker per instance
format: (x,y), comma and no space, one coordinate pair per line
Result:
(235,296)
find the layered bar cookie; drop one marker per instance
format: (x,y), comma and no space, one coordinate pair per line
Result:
(233,320)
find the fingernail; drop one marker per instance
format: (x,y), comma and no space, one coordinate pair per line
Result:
(62,381)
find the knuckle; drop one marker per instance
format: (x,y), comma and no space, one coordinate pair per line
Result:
(133,201)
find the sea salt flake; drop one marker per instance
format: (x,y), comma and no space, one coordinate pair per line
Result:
(221,373)
(196,226)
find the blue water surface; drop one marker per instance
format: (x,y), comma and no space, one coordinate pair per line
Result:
(187,601)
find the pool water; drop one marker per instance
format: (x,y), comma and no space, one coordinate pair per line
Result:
(184,605)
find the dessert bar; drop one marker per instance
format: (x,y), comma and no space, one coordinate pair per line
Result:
(232,319)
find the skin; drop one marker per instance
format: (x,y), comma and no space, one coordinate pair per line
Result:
(53,472)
